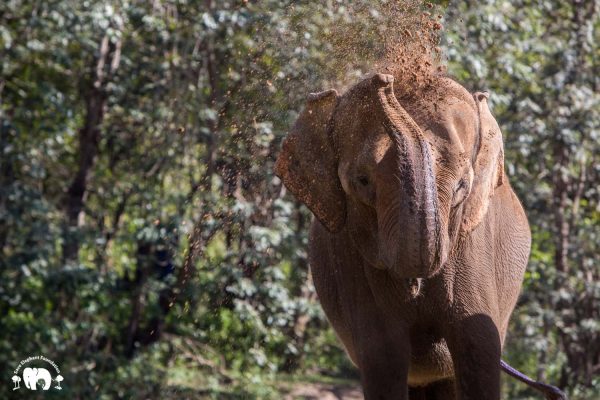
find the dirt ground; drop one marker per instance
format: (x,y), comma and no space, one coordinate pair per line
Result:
(324,391)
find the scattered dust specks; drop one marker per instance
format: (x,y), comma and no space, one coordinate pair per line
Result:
(397,37)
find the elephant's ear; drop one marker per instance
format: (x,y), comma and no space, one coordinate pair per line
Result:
(308,162)
(488,167)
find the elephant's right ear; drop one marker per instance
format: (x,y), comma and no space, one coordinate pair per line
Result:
(488,167)
(308,162)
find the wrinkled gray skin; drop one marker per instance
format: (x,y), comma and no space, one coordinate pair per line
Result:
(420,244)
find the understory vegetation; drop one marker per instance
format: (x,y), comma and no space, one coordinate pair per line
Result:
(146,246)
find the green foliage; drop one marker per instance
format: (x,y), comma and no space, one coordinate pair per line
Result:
(145,244)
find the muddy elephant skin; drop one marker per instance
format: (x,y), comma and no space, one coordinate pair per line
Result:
(419,245)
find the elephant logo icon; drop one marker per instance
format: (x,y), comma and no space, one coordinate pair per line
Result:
(37,377)
(32,376)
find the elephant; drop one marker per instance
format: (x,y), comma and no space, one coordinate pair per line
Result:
(419,244)
(31,376)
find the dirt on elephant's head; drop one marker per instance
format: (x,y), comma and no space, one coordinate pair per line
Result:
(397,37)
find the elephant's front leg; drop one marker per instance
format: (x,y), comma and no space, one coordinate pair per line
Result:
(384,359)
(475,346)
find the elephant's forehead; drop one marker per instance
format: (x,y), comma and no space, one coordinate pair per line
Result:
(356,121)
(449,123)
(373,148)
(444,111)
(363,137)
(380,144)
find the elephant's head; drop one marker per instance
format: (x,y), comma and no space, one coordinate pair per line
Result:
(404,185)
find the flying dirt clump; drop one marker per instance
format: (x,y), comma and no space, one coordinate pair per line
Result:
(398,37)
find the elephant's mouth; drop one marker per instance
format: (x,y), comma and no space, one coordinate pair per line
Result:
(386,246)
(403,264)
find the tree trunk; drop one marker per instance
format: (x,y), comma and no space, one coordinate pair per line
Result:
(89,135)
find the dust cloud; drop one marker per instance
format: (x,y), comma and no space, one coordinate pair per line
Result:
(397,37)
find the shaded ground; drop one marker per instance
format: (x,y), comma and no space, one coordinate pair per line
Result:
(300,390)
(324,391)
(184,383)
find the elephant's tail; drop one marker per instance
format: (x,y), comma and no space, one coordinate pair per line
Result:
(551,392)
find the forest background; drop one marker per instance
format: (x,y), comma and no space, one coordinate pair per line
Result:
(146,246)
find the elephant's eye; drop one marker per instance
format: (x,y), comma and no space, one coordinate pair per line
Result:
(364,190)
(462,184)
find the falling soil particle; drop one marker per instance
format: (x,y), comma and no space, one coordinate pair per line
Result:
(399,37)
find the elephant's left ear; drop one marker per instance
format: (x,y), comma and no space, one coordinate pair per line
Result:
(488,167)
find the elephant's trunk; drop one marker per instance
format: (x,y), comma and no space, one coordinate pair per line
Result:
(409,227)
(410,244)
